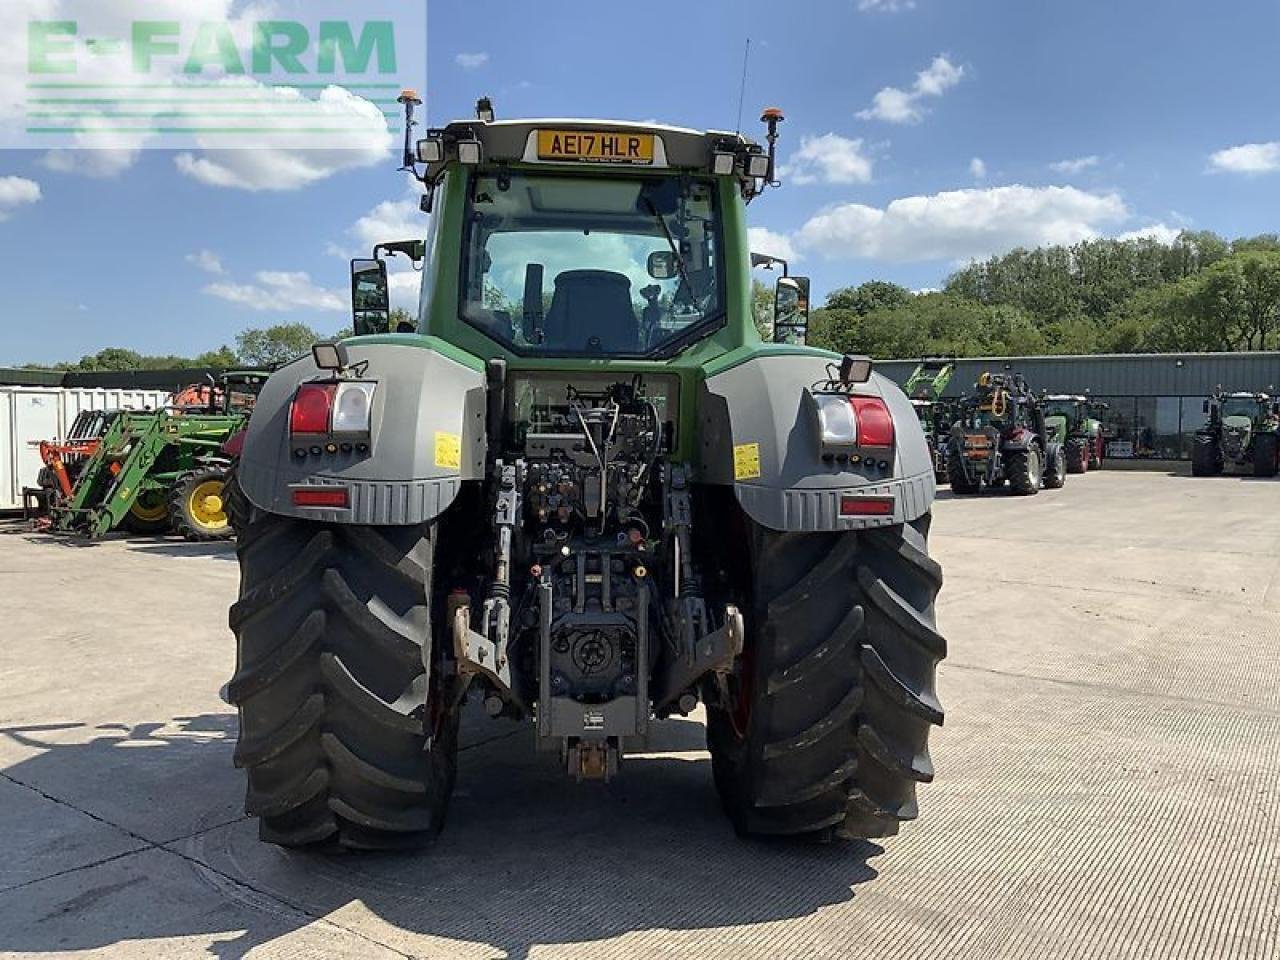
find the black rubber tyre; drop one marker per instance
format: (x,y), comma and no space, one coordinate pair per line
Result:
(148,516)
(1055,471)
(1204,457)
(959,480)
(835,692)
(1266,449)
(237,506)
(1077,451)
(189,516)
(342,741)
(1025,471)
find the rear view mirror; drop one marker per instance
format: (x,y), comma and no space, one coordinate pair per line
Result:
(791,310)
(1206,407)
(662,265)
(370,298)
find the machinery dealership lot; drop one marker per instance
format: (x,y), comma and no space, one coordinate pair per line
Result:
(1107,773)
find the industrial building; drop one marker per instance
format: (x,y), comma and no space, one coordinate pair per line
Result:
(1155,401)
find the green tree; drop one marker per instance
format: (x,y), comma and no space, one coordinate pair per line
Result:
(275,345)
(223,358)
(872,295)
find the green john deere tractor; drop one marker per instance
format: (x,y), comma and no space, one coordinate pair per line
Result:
(1070,420)
(925,387)
(1242,432)
(153,471)
(584,493)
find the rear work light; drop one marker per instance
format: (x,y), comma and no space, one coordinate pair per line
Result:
(312,407)
(875,424)
(352,407)
(331,497)
(855,506)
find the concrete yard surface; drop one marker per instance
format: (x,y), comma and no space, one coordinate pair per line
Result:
(1108,779)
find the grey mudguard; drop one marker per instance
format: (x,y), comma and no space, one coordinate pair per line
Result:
(757,409)
(427,437)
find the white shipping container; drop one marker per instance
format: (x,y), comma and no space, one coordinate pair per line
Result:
(30,414)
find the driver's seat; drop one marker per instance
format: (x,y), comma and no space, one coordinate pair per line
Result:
(591,310)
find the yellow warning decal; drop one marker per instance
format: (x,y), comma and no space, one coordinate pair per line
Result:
(449,450)
(746,461)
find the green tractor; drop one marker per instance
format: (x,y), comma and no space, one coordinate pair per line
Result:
(585,494)
(925,387)
(1001,436)
(1242,431)
(1070,420)
(153,471)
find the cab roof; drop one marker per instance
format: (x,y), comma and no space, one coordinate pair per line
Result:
(515,141)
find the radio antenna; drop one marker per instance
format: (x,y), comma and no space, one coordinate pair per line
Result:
(742,91)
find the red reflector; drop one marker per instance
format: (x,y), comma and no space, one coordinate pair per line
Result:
(875,425)
(322,497)
(311,406)
(866,506)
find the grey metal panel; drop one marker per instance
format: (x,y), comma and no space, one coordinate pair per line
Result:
(420,393)
(762,402)
(1139,375)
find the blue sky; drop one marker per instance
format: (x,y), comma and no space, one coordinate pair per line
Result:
(918,135)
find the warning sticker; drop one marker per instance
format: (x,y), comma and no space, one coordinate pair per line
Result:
(746,461)
(449,450)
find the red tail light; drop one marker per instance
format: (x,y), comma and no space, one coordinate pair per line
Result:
(875,425)
(855,506)
(312,406)
(333,497)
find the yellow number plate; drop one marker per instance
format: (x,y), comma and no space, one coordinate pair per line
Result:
(595,146)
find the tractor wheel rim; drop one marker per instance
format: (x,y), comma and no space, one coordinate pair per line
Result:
(206,507)
(149,507)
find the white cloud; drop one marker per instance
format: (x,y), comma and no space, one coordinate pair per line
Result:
(894,105)
(1076,166)
(1249,158)
(471,61)
(978,168)
(829,158)
(1159,232)
(763,240)
(16,192)
(100,163)
(885,6)
(277,290)
(206,260)
(389,220)
(960,224)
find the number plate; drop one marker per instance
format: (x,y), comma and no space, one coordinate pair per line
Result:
(595,146)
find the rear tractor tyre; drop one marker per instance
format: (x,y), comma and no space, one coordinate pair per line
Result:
(343,731)
(1025,471)
(1055,473)
(149,514)
(236,505)
(828,733)
(1266,455)
(1078,456)
(1204,458)
(196,506)
(958,478)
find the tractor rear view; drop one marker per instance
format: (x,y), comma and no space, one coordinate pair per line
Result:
(586,495)
(1242,432)
(1070,421)
(1001,437)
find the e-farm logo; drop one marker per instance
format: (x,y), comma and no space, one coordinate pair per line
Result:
(110,73)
